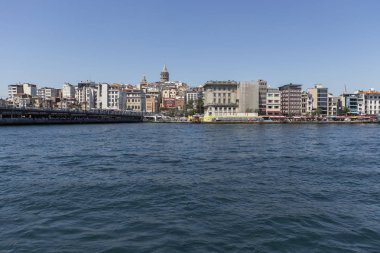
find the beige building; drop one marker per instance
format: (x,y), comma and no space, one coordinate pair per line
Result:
(151,103)
(169,92)
(320,98)
(135,100)
(273,101)
(220,98)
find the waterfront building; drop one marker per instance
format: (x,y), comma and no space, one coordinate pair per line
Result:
(110,96)
(29,89)
(262,96)
(13,90)
(193,96)
(151,102)
(86,93)
(116,97)
(306,103)
(320,99)
(164,76)
(48,93)
(68,91)
(291,99)
(248,96)
(273,101)
(369,102)
(196,96)
(334,105)
(220,98)
(135,100)
(350,103)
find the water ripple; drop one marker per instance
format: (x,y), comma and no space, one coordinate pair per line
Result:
(190,188)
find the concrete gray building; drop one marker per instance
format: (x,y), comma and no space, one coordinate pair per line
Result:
(248,95)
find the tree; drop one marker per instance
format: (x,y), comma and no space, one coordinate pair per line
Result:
(190,104)
(199,106)
(345,110)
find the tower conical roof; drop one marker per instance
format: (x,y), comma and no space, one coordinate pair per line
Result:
(164,68)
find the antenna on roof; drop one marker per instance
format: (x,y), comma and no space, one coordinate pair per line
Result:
(345,89)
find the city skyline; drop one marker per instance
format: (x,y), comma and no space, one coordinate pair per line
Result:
(329,42)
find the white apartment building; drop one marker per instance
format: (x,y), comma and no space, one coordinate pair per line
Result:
(29,89)
(273,101)
(14,90)
(306,103)
(86,93)
(116,98)
(47,93)
(193,96)
(111,97)
(68,91)
(369,102)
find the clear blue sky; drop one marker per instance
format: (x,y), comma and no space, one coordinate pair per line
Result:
(333,42)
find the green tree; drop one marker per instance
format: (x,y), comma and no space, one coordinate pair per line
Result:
(345,110)
(190,104)
(199,106)
(318,111)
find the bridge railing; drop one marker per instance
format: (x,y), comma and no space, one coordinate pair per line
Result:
(91,111)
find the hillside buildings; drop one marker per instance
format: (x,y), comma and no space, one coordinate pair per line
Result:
(215,98)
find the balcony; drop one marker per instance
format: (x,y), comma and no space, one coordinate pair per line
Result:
(221,104)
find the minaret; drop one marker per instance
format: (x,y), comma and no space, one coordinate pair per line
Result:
(164,75)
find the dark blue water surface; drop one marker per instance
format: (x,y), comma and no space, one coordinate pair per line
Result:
(190,188)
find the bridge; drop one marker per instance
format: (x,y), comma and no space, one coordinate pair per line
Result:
(32,116)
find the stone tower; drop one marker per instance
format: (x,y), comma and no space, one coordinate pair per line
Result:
(164,77)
